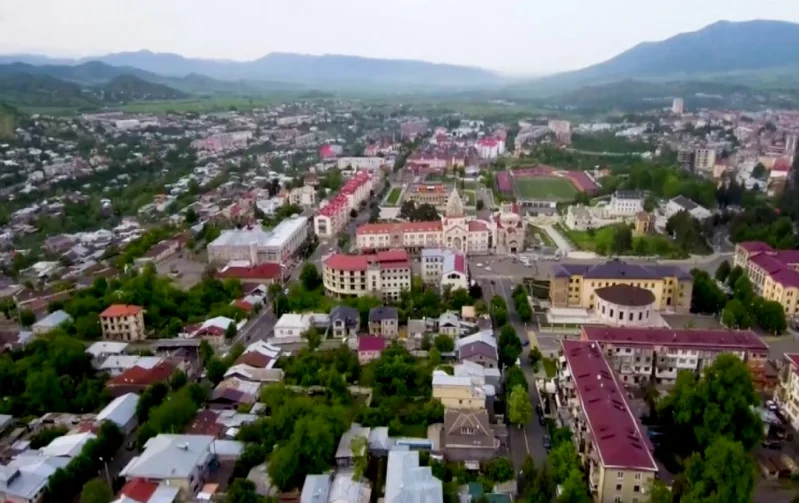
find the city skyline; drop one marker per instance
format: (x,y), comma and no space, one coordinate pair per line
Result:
(572,34)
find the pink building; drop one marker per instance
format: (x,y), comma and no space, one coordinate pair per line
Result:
(334,216)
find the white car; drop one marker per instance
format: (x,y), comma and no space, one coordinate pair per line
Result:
(488,269)
(479,264)
(770,405)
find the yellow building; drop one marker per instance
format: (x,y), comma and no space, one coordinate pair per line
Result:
(644,223)
(123,323)
(774,274)
(573,285)
(458,392)
(608,437)
(787,394)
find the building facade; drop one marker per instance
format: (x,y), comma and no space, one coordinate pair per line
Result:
(123,323)
(458,392)
(333,217)
(608,437)
(436,194)
(256,246)
(575,285)
(787,394)
(626,203)
(704,159)
(774,274)
(445,268)
(658,354)
(383,274)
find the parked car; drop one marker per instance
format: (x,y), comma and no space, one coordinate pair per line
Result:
(547,443)
(772,444)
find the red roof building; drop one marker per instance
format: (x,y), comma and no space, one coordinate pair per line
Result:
(266,273)
(370,348)
(136,379)
(773,273)
(607,433)
(117,310)
(387,273)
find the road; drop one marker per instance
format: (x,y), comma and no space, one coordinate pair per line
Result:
(528,440)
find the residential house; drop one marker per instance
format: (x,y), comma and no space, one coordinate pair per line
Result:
(24,478)
(346,489)
(257,363)
(122,412)
(458,392)
(344,322)
(345,455)
(407,480)
(384,321)
(480,348)
(180,461)
(233,392)
(144,491)
(136,379)
(123,322)
(103,349)
(468,436)
(449,324)
(51,322)
(682,203)
(292,326)
(370,347)
(316,489)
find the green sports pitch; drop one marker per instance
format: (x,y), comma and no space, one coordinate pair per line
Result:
(544,188)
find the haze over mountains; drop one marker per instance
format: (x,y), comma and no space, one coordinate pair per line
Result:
(724,51)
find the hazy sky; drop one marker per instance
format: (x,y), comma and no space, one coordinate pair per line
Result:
(514,36)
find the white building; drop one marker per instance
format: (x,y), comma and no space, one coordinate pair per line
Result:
(677,106)
(334,216)
(303,196)
(293,326)
(445,268)
(255,245)
(361,163)
(490,148)
(681,203)
(704,159)
(626,203)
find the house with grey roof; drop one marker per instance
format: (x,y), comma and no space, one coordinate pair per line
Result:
(384,321)
(344,322)
(468,435)
(479,348)
(25,477)
(122,412)
(51,322)
(407,481)
(449,324)
(316,488)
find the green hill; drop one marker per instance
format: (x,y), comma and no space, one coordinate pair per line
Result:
(132,88)
(8,121)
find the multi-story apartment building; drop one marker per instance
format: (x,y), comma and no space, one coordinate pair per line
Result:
(458,392)
(573,285)
(640,354)
(490,148)
(562,130)
(361,163)
(787,395)
(303,196)
(704,159)
(608,436)
(257,246)
(384,274)
(774,274)
(455,230)
(334,216)
(445,268)
(677,106)
(123,322)
(626,203)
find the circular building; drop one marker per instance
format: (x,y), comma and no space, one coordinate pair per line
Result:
(624,305)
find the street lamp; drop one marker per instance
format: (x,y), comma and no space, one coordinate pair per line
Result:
(107,475)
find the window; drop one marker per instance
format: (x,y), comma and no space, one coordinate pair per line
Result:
(636,489)
(620,475)
(467,431)
(618,487)
(638,476)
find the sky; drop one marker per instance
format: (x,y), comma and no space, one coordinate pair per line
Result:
(521,37)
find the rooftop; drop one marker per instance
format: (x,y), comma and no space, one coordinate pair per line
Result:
(121,410)
(618,269)
(285,230)
(115,310)
(733,340)
(626,295)
(385,259)
(170,457)
(617,433)
(406,481)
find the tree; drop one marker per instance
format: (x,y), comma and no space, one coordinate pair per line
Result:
(313,337)
(360,450)
(231,331)
(735,315)
(724,474)
(499,470)
(535,356)
(720,404)
(659,492)
(706,296)
(723,271)
(27,318)
(573,489)
(562,459)
(205,351)
(510,347)
(444,343)
(520,409)
(309,277)
(96,491)
(480,205)
(243,491)
(215,370)
(353,213)
(191,216)
(742,290)
(622,240)
(759,171)
(733,276)
(770,316)
(514,377)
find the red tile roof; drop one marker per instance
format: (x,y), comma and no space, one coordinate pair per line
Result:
(116,310)
(392,228)
(387,259)
(755,246)
(139,376)
(139,490)
(776,268)
(371,343)
(205,424)
(685,338)
(268,270)
(793,359)
(339,202)
(616,432)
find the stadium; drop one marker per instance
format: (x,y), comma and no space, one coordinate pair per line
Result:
(543,183)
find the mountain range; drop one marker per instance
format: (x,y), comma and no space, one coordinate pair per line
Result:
(747,53)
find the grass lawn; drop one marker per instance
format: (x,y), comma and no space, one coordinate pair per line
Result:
(534,230)
(601,242)
(550,367)
(546,188)
(471,200)
(394,195)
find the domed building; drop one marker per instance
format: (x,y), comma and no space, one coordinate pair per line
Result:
(625,305)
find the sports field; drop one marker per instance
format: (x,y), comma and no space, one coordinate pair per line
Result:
(544,188)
